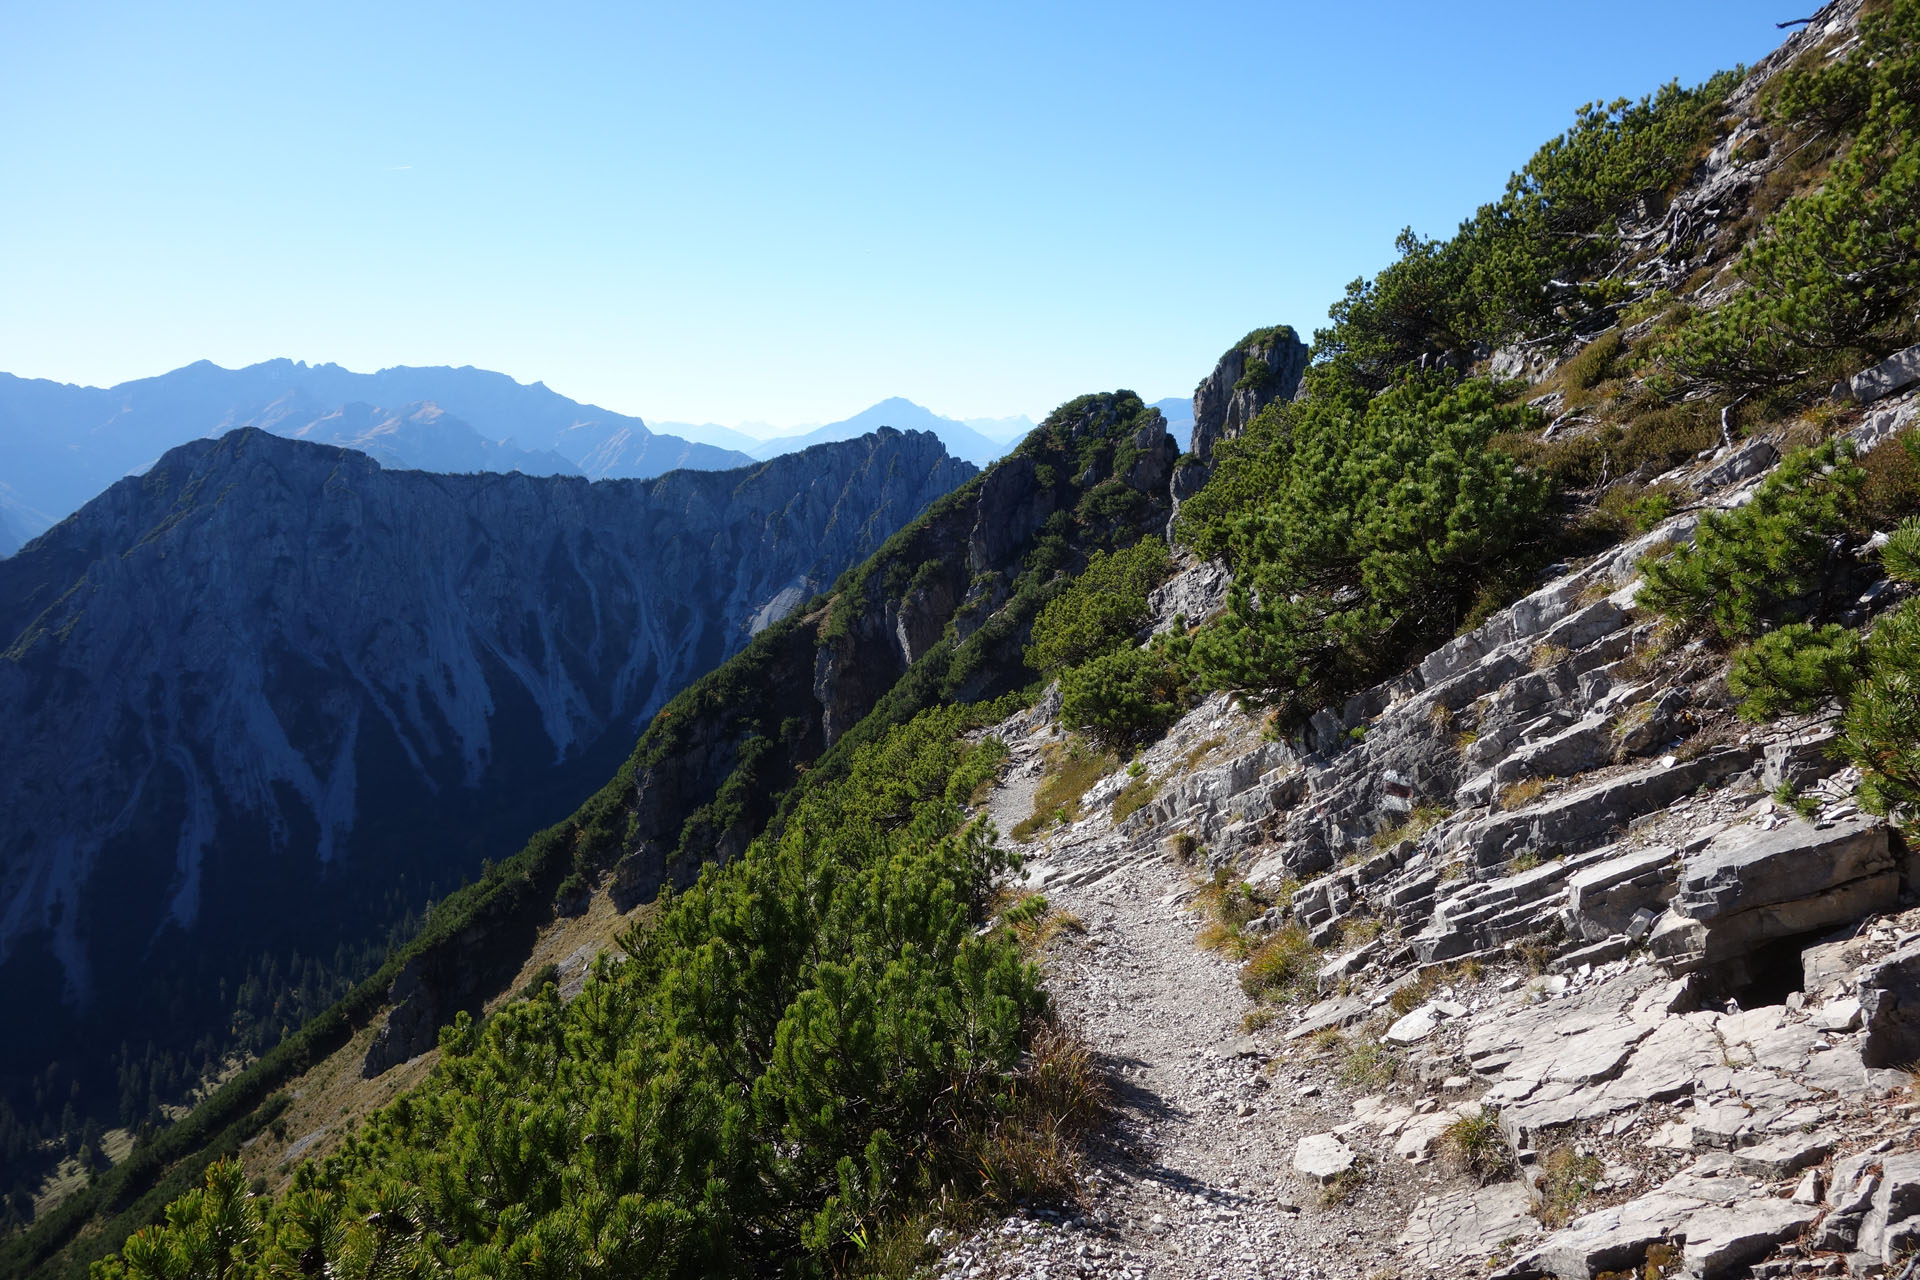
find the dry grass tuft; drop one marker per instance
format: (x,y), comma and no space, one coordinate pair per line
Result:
(1518,795)
(1132,798)
(1032,920)
(1341,1187)
(1324,1041)
(1421,820)
(1566,1179)
(1549,655)
(1259,1018)
(1474,1145)
(1368,1064)
(1410,996)
(1283,968)
(1033,1153)
(1228,903)
(1200,752)
(1355,930)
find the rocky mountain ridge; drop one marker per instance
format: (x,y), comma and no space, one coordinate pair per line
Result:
(270,671)
(1523,957)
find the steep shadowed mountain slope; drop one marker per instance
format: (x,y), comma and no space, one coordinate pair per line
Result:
(259,696)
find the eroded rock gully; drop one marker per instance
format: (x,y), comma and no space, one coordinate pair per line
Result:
(1690,1011)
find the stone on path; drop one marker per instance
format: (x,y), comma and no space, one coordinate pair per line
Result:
(1415,1026)
(1781,1157)
(1323,1157)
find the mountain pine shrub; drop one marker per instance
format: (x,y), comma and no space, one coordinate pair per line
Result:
(1773,560)
(1125,695)
(1533,262)
(1834,276)
(1358,529)
(1798,668)
(1875,676)
(1102,609)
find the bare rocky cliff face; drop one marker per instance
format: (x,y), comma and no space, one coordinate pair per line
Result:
(248,696)
(1262,367)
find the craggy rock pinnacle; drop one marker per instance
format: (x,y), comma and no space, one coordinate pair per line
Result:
(1262,367)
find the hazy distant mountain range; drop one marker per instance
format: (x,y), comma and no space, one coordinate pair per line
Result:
(62,444)
(979,440)
(962,441)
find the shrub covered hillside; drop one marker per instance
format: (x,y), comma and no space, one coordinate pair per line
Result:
(826,1039)
(804,1045)
(939,613)
(1418,486)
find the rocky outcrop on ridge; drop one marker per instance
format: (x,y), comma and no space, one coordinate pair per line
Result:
(1262,367)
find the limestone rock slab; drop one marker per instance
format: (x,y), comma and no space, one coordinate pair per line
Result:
(1323,1157)
(1468,1225)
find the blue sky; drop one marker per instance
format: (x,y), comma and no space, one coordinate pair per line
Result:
(784,213)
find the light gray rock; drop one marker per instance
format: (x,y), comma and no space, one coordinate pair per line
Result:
(1752,885)
(1415,1026)
(1339,1011)
(1743,462)
(1837,1015)
(1606,1240)
(1422,1133)
(1323,1157)
(1468,1225)
(1194,593)
(1652,724)
(1827,969)
(1725,1224)
(1723,1240)
(1850,1195)
(1895,1201)
(1800,761)
(1896,373)
(1878,428)
(1782,1157)
(1749,867)
(1590,815)
(1584,745)
(1890,1008)
(1602,899)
